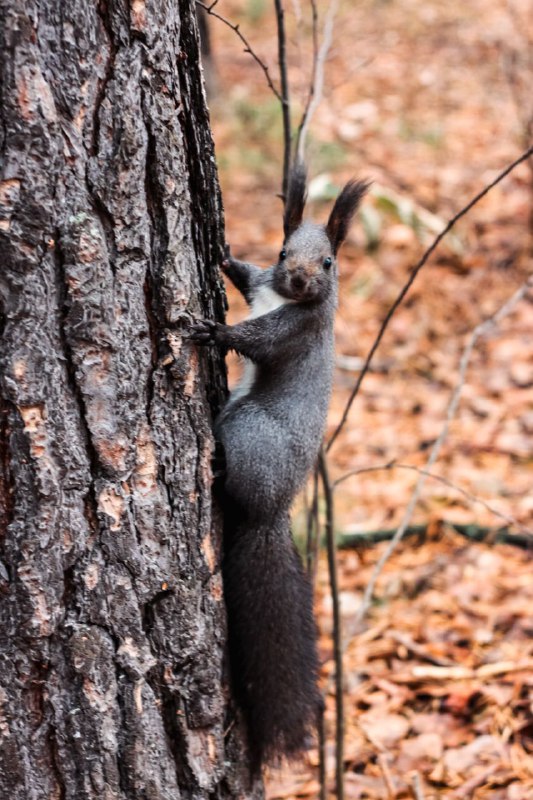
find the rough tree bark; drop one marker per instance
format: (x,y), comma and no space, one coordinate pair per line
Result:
(112,626)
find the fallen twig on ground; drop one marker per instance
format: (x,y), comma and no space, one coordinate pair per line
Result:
(477,533)
(422,672)
(417,649)
(416,783)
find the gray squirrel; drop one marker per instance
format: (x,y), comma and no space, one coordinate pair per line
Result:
(271,430)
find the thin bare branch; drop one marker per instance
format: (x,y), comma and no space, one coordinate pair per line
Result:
(284,99)
(525,155)
(480,330)
(441,479)
(363,471)
(313,530)
(297,11)
(300,146)
(469,496)
(316,87)
(322,755)
(247,46)
(337,632)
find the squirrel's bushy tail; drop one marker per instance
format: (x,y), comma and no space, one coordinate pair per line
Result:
(272,637)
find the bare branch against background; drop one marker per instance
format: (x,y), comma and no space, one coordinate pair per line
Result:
(525,155)
(312,83)
(284,99)
(316,87)
(322,756)
(480,330)
(247,46)
(312,545)
(441,479)
(337,632)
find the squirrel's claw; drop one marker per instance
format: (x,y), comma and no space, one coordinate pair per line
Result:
(202,331)
(226,263)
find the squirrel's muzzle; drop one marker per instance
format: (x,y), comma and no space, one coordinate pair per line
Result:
(298,281)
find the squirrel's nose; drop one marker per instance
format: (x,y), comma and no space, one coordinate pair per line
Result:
(297,281)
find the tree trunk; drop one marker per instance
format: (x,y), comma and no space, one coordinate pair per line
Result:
(112,621)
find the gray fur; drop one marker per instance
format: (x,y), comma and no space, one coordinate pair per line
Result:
(271,431)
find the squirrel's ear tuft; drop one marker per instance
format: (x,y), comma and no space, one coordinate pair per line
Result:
(295,200)
(343,212)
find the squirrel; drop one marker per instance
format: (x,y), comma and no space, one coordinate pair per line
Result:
(271,430)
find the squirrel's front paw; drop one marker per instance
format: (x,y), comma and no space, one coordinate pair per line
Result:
(228,258)
(202,331)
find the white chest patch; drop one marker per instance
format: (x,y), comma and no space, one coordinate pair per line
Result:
(264,301)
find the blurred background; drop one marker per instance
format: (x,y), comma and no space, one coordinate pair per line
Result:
(422,98)
(430,100)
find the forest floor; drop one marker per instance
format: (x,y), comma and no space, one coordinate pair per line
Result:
(430,100)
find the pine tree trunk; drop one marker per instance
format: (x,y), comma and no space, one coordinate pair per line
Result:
(112,625)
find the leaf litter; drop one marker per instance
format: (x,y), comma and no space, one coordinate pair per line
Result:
(439,678)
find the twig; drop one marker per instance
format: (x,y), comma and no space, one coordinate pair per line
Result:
(417,649)
(284,99)
(346,541)
(322,755)
(410,282)
(314,28)
(469,496)
(247,46)
(337,633)
(313,531)
(297,11)
(478,331)
(422,672)
(369,736)
(362,471)
(416,783)
(317,80)
(300,146)
(467,789)
(387,777)
(476,533)
(472,497)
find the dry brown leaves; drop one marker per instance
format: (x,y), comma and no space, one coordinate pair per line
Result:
(439,683)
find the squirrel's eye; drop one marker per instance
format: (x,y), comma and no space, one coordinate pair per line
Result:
(282,255)
(328,262)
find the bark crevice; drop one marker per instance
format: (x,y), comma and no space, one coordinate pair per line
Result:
(113,623)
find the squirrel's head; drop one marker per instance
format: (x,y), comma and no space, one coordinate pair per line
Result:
(307,266)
